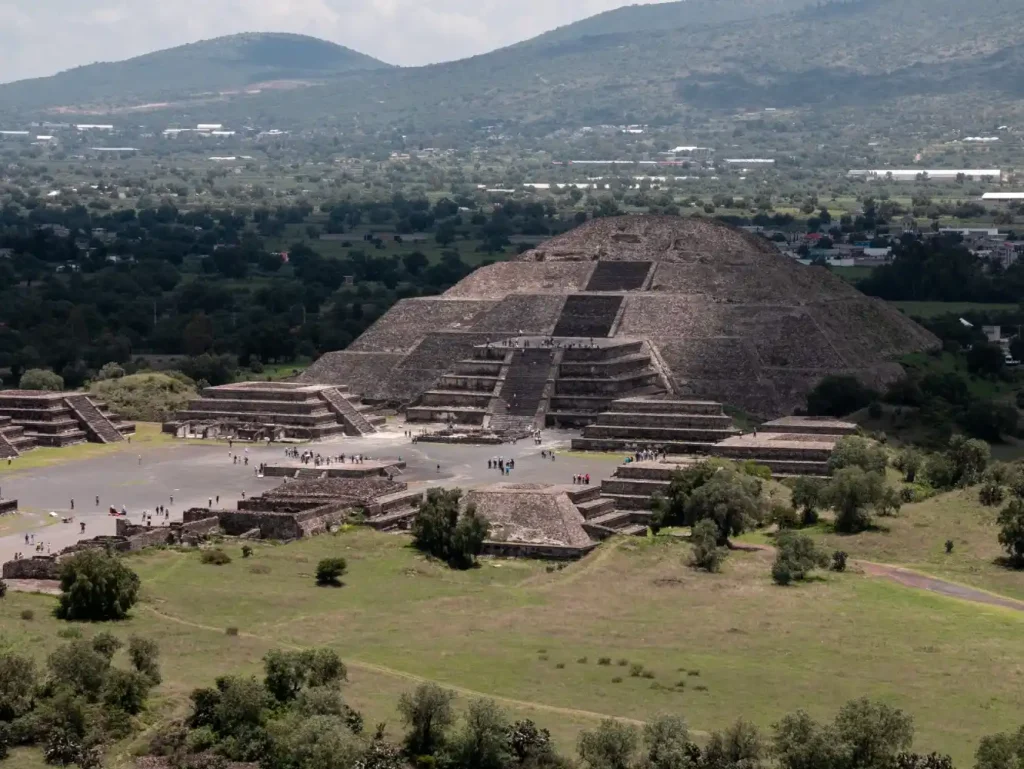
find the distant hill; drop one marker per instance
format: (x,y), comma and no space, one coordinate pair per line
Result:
(220,64)
(663,16)
(646,64)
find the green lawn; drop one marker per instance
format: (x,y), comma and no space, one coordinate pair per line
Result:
(147,434)
(740,645)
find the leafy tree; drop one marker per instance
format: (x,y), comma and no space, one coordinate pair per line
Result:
(41,379)
(483,741)
(729,499)
(990,494)
(837,396)
(428,714)
(800,742)
(707,554)
(441,531)
(125,690)
(17,685)
(796,556)
(286,673)
(144,655)
(909,462)
(852,451)
(667,745)
(106,644)
(612,745)
(79,667)
(852,493)
(873,733)
(329,571)
(110,371)
(968,458)
(985,358)
(317,742)
(738,747)
(990,421)
(528,742)
(1001,751)
(1011,531)
(807,494)
(670,508)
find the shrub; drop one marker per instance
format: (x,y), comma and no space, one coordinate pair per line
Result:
(41,379)
(582,661)
(144,655)
(693,673)
(604,661)
(259,569)
(909,463)
(1011,531)
(785,517)
(707,555)
(96,587)
(807,493)
(560,665)
(231,631)
(441,530)
(949,546)
(990,494)
(797,555)
(852,451)
(647,674)
(636,670)
(246,551)
(330,571)
(839,561)
(837,396)
(28,615)
(3,588)
(617,680)
(215,557)
(852,492)
(622,662)
(110,371)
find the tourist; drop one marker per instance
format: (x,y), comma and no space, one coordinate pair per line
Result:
(72,503)
(97,500)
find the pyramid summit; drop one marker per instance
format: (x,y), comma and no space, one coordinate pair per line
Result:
(636,305)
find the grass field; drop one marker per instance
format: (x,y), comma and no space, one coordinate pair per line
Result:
(146,434)
(739,645)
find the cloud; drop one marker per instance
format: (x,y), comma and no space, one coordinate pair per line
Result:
(41,37)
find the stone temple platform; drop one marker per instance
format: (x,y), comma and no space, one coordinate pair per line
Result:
(30,418)
(369,468)
(274,410)
(674,426)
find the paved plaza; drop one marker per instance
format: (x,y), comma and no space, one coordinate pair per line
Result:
(194,473)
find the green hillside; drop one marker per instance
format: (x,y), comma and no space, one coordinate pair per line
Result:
(223,63)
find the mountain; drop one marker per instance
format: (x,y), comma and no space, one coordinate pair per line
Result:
(221,64)
(662,16)
(901,59)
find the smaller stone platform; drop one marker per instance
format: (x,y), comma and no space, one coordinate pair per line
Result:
(368,468)
(274,411)
(674,426)
(35,418)
(8,506)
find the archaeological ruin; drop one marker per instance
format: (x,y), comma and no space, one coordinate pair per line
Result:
(618,308)
(30,418)
(274,411)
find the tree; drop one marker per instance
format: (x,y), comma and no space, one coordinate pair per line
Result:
(728,498)
(428,714)
(1011,531)
(1001,751)
(287,673)
(79,667)
(738,747)
(528,742)
(317,742)
(985,358)
(329,571)
(41,379)
(110,371)
(873,733)
(852,451)
(125,690)
(670,508)
(667,745)
(483,741)
(707,555)
(909,462)
(611,745)
(851,493)
(968,458)
(17,685)
(837,396)
(807,493)
(800,742)
(144,655)
(441,531)
(796,556)
(96,586)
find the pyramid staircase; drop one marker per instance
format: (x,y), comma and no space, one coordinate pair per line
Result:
(13,441)
(355,422)
(35,418)
(674,426)
(602,518)
(467,393)
(97,426)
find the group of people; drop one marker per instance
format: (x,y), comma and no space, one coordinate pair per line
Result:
(311,458)
(581,480)
(30,540)
(648,455)
(501,464)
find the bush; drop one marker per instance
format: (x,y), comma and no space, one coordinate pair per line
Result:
(96,587)
(949,546)
(41,379)
(3,588)
(110,371)
(839,561)
(796,556)
(909,463)
(807,493)
(837,396)
(1011,531)
(852,493)
(636,670)
(231,631)
(852,451)
(442,531)
(990,494)
(330,571)
(28,615)
(706,555)
(215,557)
(604,660)
(146,397)
(785,517)
(246,551)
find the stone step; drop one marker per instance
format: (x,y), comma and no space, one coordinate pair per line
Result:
(595,507)
(666,406)
(615,519)
(663,434)
(579,494)
(631,502)
(636,419)
(633,486)
(625,446)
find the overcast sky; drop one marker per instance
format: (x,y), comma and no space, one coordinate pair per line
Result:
(41,37)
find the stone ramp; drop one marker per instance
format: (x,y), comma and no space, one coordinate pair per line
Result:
(525,381)
(101,429)
(619,276)
(348,413)
(588,315)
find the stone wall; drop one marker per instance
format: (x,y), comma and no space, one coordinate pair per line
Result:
(8,506)
(40,567)
(527,550)
(274,525)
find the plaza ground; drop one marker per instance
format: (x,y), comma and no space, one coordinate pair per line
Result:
(149,472)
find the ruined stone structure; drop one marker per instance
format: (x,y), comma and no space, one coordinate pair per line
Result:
(30,418)
(8,506)
(713,312)
(675,426)
(274,410)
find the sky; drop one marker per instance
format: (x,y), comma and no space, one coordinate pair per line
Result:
(42,37)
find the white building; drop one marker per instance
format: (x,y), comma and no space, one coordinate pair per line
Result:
(93,127)
(1002,196)
(936,174)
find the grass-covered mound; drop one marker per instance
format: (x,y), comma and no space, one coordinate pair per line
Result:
(148,397)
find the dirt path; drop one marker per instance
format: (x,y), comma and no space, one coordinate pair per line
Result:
(919,581)
(383,670)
